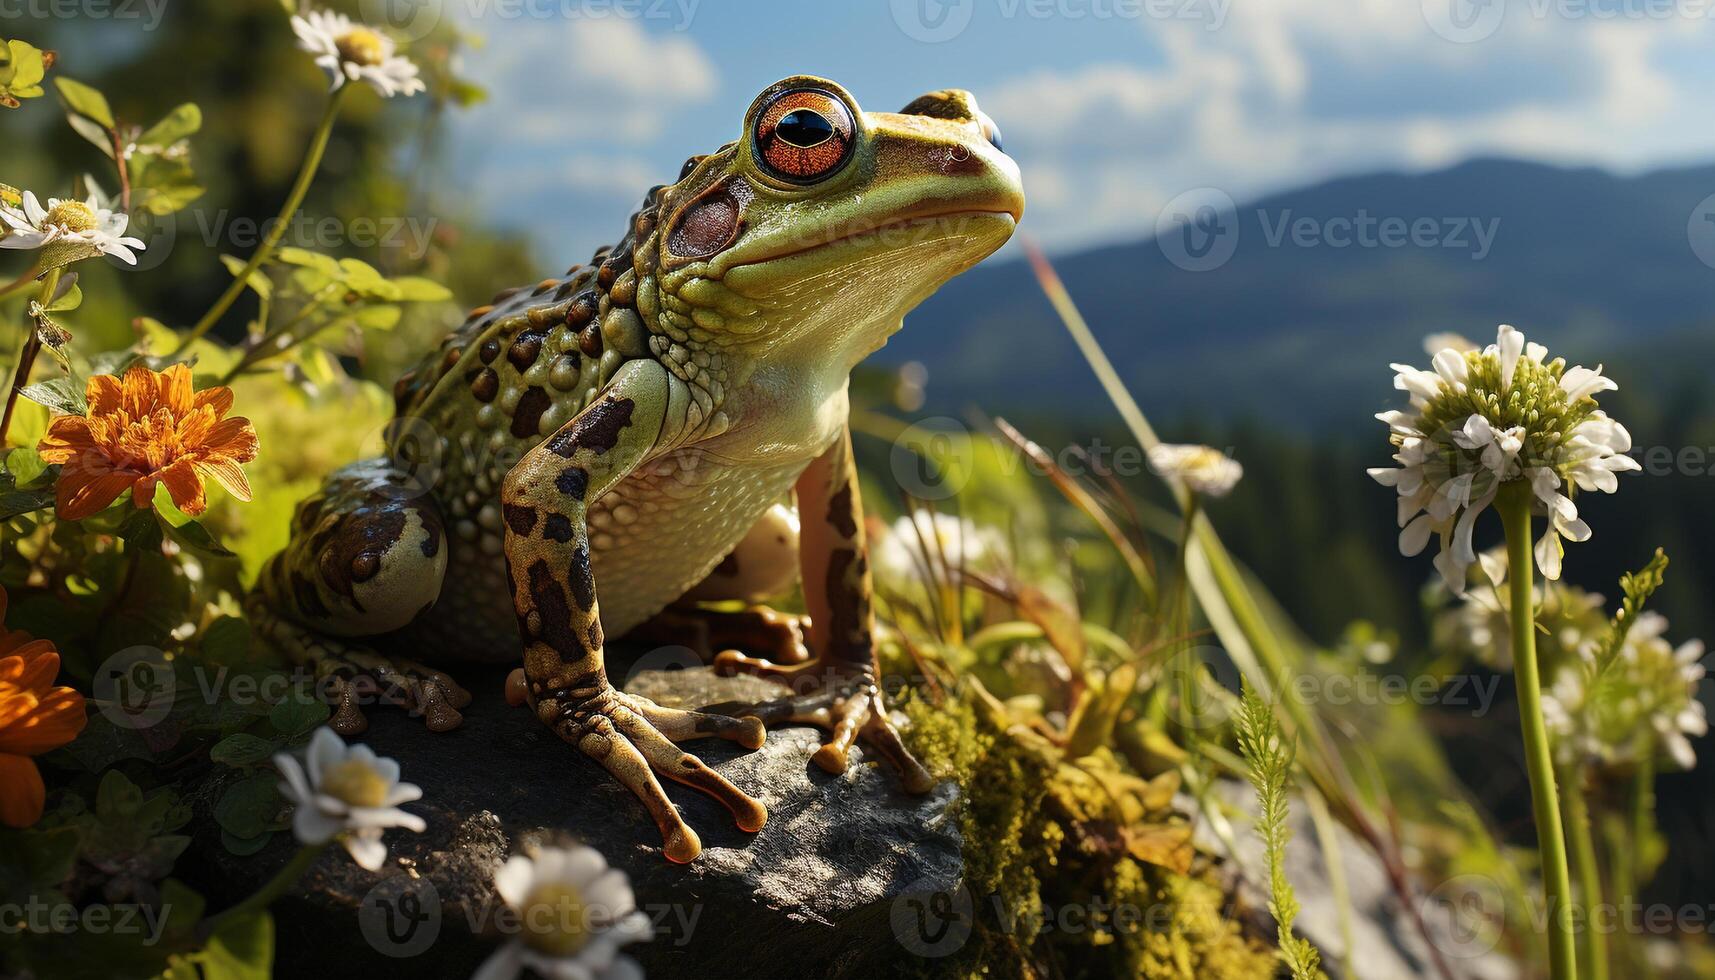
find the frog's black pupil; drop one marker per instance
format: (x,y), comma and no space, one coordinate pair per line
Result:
(803,127)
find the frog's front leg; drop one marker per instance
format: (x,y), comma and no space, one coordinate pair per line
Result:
(544,501)
(844,694)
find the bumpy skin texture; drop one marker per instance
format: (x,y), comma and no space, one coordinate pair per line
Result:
(582,453)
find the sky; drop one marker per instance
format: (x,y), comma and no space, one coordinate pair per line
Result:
(1112,108)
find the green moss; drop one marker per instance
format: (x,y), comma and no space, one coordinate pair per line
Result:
(1050,898)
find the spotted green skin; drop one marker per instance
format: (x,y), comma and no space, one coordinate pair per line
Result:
(620,430)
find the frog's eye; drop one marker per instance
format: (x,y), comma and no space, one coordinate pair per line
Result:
(992,132)
(804,135)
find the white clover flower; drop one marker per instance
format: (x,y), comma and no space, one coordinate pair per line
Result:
(349,792)
(929,545)
(67,230)
(1480,419)
(351,51)
(1571,621)
(573,912)
(1207,471)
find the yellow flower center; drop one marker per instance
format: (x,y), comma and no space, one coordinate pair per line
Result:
(355,783)
(554,920)
(74,216)
(361,46)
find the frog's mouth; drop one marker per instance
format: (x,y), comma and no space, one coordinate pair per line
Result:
(913,228)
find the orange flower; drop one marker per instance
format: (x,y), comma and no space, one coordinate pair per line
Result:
(35,717)
(145,428)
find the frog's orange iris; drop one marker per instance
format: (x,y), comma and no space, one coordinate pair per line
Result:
(35,717)
(146,428)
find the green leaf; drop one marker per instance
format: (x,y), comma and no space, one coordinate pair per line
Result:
(251,806)
(92,131)
(85,101)
(59,394)
(260,284)
(241,750)
(38,862)
(141,529)
(24,464)
(15,503)
(380,317)
(68,300)
(298,715)
(292,255)
(417,289)
(163,185)
(174,126)
(117,797)
(244,846)
(184,529)
(226,640)
(241,949)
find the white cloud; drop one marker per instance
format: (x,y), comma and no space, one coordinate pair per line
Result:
(601,79)
(1291,91)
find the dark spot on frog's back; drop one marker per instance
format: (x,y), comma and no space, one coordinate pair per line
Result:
(521,519)
(353,554)
(582,578)
(484,384)
(597,429)
(524,350)
(527,417)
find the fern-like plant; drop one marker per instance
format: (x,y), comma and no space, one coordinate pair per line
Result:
(1269,756)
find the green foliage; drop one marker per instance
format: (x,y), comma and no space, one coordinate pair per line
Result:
(1269,755)
(1637,588)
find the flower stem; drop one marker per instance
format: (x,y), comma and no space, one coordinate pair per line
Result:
(276,886)
(306,173)
(1584,867)
(1513,503)
(27,357)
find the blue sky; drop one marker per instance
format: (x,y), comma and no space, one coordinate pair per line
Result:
(1111,107)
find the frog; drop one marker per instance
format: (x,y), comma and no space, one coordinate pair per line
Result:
(601,453)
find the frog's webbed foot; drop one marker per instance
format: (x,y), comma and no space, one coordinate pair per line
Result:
(779,636)
(353,677)
(633,738)
(350,675)
(840,697)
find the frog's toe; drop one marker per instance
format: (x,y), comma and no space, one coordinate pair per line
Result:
(621,732)
(356,678)
(850,708)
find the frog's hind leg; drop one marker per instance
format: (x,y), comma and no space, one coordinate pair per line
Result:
(366,557)
(838,689)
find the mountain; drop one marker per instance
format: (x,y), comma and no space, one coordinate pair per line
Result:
(1297,327)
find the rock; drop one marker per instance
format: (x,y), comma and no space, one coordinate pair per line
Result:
(810,895)
(1386,944)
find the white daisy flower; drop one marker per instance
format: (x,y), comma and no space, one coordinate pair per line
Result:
(67,230)
(349,792)
(1207,471)
(1650,690)
(930,545)
(1483,418)
(572,913)
(351,51)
